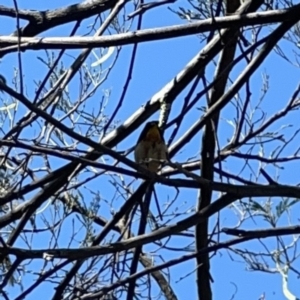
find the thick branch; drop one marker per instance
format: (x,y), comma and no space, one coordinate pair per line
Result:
(40,21)
(147,35)
(128,244)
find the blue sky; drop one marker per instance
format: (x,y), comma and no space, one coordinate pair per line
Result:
(156,64)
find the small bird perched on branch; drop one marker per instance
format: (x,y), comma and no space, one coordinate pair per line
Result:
(151,150)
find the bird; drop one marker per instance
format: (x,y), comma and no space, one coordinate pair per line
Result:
(151,150)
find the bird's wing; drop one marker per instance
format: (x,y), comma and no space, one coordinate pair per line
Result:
(139,152)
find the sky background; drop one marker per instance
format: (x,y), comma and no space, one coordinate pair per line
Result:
(155,65)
